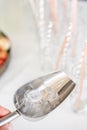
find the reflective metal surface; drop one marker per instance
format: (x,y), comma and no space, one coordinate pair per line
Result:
(39,97)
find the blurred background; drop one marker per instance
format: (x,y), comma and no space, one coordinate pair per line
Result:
(46,36)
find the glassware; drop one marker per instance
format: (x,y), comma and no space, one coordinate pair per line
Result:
(68,46)
(51,16)
(79,96)
(79,65)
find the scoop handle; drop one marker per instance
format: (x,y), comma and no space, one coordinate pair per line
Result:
(8,118)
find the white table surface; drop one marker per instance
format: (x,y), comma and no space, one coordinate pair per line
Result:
(25,65)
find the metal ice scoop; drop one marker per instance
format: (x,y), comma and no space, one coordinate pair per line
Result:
(39,97)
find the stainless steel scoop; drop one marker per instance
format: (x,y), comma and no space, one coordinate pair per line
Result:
(39,97)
